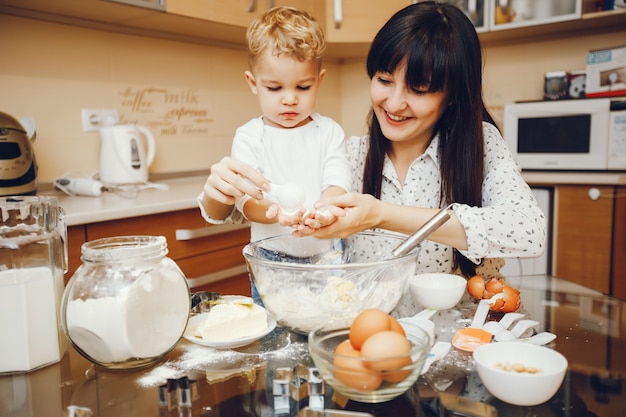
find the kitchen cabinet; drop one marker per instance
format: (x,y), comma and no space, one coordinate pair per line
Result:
(356,22)
(232,12)
(618,265)
(216,22)
(151,4)
(75,239)
(589,242)
(210,256)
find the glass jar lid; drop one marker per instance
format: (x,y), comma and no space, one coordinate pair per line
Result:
(121,249)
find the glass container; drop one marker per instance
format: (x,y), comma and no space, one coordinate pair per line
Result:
(33,259)
(128,304)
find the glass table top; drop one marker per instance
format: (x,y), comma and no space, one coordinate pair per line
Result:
(276,377)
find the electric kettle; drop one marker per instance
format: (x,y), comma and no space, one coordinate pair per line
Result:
(18,168)
(123,158)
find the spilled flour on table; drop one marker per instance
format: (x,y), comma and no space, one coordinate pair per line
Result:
(198,358)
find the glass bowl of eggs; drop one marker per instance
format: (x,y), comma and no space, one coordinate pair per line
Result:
(305,282)
(370,359)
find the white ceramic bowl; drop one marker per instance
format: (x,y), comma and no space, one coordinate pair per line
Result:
(306,282)
(437,291)
(520,388)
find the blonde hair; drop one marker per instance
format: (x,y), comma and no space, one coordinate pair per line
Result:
(286,31)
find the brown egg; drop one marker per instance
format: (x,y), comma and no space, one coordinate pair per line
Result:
(396,326)
(367,323)
(351,371)
(476,287)
(386,351)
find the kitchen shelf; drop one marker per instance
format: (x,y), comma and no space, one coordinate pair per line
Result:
(589,23)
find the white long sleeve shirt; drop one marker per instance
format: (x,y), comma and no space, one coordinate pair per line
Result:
(312,156)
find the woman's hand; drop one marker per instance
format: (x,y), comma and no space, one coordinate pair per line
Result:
(230,179)
(350,213)
(317,219)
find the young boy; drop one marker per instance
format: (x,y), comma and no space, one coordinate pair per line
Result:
(290,143)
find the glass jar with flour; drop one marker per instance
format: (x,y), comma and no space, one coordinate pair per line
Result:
(33,259)
(128,304)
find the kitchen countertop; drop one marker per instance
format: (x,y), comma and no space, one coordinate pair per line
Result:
(180,194)
(549,178)
(183,189)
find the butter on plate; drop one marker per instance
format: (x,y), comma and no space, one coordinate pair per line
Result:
(230,321)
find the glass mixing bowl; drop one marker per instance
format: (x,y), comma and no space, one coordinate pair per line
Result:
(305,282)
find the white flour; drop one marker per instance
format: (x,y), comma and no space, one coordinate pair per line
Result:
(215,362)
(304,308)
(144,321)
(29,303)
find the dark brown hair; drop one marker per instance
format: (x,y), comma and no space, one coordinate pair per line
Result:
(441,50)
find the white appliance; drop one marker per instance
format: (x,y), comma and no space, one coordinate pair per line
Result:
(123,157)
(584,134)
(539,265)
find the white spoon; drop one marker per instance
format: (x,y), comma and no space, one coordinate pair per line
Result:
(509,318)
(542,338)
(516,332)
(421,320)
(495,327)
(437,352)
(469,338)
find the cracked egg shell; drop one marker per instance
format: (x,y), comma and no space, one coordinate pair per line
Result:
(508,302)
(495,285)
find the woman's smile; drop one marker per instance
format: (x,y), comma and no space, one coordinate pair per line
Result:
(396,118)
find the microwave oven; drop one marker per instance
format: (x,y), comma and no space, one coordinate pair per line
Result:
(585,134)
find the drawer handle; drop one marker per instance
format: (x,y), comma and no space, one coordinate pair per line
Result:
(191,234)
(338,13)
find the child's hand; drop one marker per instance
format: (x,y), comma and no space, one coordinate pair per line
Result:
(284,217)
(230,179)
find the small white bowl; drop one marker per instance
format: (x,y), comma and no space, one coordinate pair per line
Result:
(437,291)
(520,388)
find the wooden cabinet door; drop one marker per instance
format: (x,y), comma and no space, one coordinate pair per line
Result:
(582,236)
(231,12)
(316,8)
(619,245)
(360,20)
(75,239)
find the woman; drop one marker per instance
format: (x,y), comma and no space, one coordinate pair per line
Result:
(431,142)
